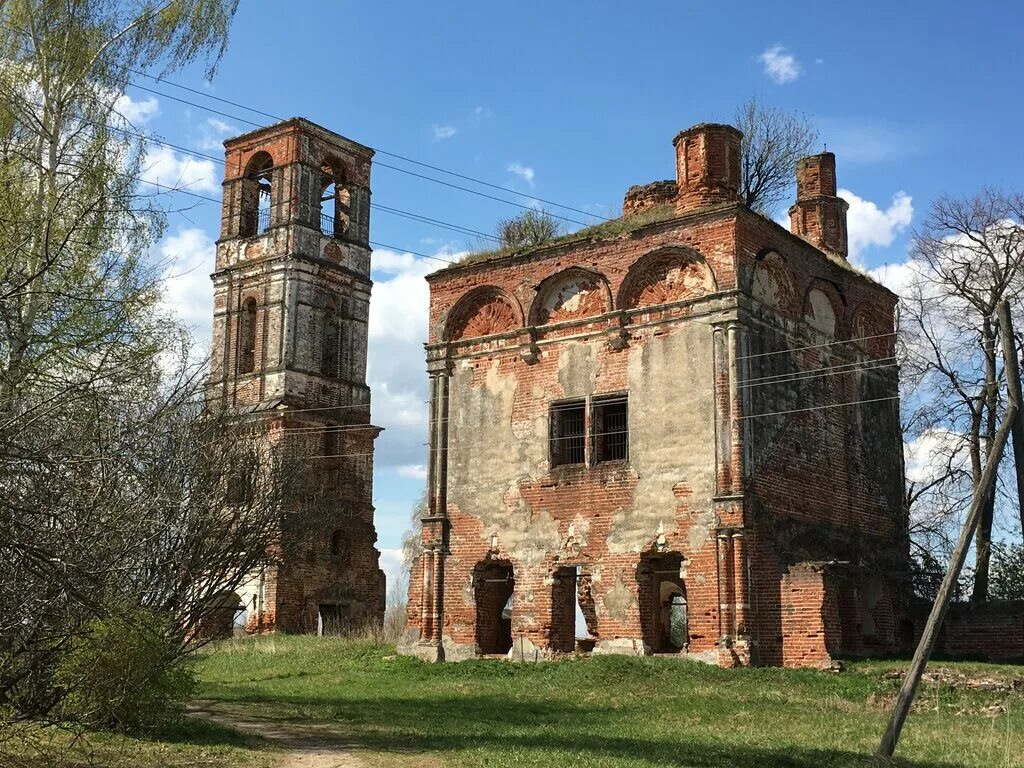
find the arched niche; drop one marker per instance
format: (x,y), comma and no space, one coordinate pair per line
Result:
(872,330)
(772,283)
(571,294)
(482,312)
(666,275)
(823,308)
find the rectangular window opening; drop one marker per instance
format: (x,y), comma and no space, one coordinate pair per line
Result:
(610,429)
(567,434)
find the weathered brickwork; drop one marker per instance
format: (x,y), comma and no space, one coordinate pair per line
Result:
(756,516)
(291,303)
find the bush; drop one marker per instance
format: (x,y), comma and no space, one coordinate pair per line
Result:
(530,228)
(126,674)
(1007,572)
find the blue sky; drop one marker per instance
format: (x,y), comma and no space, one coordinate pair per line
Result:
(574,103)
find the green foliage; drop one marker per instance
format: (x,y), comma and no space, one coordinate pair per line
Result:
(126,674)
(527,230)
(603,231)
(1007,572)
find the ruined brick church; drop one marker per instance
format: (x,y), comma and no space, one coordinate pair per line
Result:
(291,303)
(681,425)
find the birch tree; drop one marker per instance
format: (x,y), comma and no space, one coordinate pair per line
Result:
(115,484)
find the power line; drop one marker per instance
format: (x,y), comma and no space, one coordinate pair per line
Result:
(376,206)
(815,346)
(395,155)
(803,375)
(380,151)
(399,169)
(474,192)
(824,368)
(337,456)
(819,407)
(206,198)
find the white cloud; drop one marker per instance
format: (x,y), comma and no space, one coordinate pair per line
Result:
(393,262)
(136,112)
(868,225)
(400,304)
(212,133)
(413,471)
(163,167)
(929,455)
(524,172)
(392,564)
(187,258)
(396,368)
(896,277)
(442,132)
(780,66)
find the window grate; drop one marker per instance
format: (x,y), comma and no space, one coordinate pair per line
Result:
(567,435)
(610,429)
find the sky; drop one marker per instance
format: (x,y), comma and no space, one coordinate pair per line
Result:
(573,103)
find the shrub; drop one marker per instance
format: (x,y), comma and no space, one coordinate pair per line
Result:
(126,674)
(530,228)
(1007,572)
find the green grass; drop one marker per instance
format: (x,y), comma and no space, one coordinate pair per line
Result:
(191,744)
(603,231)
(613,711)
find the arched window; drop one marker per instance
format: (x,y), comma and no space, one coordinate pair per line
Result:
(247,336)
(335,200)
(331,341)
(256,195)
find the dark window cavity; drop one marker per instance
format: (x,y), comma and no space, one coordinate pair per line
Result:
(567,434)
(609,429)
(247,337)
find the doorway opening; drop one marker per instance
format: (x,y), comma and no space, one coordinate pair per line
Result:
(494,584)
(663,605)
(334,619)
(573,612)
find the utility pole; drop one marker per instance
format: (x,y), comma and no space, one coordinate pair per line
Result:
(942,600)
(1011,365)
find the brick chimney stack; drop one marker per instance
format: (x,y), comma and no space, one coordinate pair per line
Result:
(819,216)
(707,166)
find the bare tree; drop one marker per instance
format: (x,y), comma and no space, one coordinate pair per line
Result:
(773,140)
(967,256)
(531,227)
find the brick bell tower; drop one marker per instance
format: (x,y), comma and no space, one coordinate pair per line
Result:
(291,304)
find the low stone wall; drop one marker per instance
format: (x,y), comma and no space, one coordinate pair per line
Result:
(993,631)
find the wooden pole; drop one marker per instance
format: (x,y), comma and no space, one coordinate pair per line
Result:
(938,612)
(1012,367)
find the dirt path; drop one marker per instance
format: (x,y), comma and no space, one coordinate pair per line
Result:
(304,747)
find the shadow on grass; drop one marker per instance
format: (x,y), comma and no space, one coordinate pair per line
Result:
(567,733)
(200,732)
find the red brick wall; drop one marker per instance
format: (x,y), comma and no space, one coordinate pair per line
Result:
(748,502)
(991,631)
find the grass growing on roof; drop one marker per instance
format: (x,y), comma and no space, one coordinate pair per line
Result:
(611,711)
(603,231)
